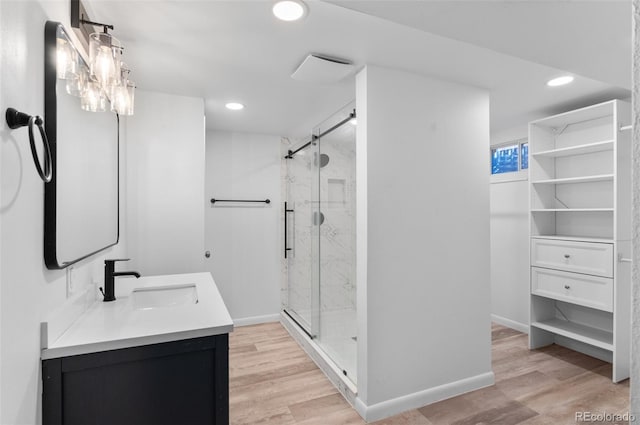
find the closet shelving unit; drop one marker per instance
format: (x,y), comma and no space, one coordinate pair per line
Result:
(580,223)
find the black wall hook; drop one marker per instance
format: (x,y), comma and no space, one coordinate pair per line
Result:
(16,119)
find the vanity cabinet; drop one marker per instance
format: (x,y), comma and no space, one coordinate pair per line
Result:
(180,382)
(580,223)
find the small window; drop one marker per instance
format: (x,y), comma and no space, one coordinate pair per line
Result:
(510,158)
(504,159)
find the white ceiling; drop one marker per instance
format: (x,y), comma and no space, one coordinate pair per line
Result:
(236,50)
(591,38)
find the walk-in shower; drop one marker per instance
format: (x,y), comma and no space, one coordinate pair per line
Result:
(320,239)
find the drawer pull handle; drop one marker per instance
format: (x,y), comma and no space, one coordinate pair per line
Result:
(567,287)
(567,256)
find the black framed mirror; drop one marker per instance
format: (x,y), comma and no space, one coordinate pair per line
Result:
(81,202)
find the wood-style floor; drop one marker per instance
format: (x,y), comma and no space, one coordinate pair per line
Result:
(272,381)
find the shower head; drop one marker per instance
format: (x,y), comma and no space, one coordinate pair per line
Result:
(324,160)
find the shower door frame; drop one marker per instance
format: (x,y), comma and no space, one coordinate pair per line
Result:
(312,329)
(291,216)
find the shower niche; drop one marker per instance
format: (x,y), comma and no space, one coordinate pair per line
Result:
(319,295)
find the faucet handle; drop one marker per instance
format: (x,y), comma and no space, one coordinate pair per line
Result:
(117,259)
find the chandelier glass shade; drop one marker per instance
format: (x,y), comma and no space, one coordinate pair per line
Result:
(122,94)
(104,58)
(93,98)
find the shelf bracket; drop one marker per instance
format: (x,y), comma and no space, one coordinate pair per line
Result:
(560,202)
(562,129)
(561,313)
(577,122)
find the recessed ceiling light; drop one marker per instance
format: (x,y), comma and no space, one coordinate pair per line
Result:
(234,106)
(560,81)
(289,10)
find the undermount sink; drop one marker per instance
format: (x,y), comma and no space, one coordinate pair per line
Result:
(164,296)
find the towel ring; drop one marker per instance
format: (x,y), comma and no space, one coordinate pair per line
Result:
(16,119)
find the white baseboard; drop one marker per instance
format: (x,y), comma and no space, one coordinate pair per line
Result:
(256,320)
(522,327)
(394,406)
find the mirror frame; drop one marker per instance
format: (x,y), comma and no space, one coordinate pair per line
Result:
(50,122)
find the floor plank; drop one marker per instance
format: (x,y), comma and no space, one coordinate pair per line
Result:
(318,407)
(273,382)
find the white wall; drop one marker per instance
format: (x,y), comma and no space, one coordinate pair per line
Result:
(635,326)
(424,308)
(509,214)
(2,51)
(245,239)
(165,184)
(28,291)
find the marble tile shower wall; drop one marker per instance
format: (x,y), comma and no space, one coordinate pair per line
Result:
(338,232)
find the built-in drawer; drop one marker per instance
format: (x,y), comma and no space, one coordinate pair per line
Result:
(589,291)
(580,257)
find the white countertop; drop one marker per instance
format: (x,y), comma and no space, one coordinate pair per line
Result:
(117,324)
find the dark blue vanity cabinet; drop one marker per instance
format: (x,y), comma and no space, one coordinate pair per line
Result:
(180,382)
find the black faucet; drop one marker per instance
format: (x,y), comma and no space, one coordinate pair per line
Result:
(109,274)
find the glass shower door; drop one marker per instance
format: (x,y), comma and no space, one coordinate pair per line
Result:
(336,167)
(301,241)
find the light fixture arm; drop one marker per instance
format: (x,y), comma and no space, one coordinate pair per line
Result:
(97,24)
(83,25)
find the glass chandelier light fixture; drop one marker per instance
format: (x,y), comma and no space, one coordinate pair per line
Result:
(104,79)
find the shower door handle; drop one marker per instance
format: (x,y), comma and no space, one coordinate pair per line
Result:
(286,211)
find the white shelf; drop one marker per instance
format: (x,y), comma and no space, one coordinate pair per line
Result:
(577,150)
(588,113)
(578,332)
(572,210)
(571,180)
(573,238)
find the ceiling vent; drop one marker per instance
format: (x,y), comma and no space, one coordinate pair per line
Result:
(322,69)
